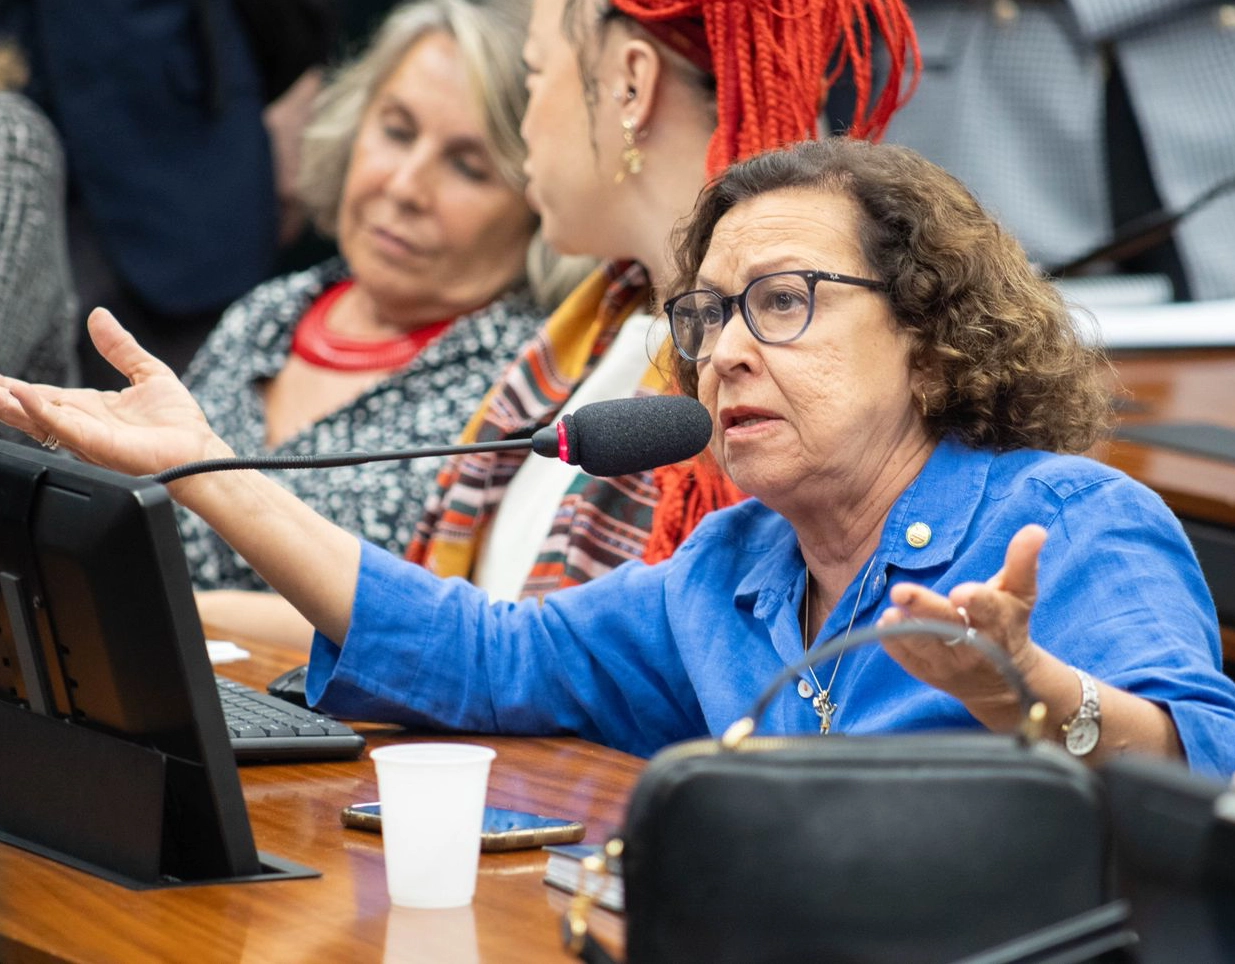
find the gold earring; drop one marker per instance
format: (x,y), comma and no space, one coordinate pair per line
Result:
(925,409)
(632,157)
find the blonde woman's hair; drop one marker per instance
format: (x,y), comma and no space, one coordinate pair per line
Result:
(490,35)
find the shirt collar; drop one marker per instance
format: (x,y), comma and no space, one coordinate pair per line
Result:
(772,544)
(937,507)
(931,517)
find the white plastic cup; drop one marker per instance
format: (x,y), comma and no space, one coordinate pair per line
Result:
(433,804)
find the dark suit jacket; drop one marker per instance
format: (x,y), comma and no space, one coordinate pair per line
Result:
(159,105)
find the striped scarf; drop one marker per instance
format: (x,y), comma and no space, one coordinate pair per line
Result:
(602,522)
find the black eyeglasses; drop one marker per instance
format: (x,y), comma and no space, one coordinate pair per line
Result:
(777,308)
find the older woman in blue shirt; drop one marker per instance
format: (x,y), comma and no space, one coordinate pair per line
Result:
(895,387)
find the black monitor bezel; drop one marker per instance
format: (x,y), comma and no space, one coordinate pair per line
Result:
(114,754)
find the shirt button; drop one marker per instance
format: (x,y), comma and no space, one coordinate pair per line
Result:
(918,535)
(877,584)
(804,689)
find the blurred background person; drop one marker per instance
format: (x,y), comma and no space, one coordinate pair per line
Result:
(414,162)
(174,211)
(38,324)
(1074,119)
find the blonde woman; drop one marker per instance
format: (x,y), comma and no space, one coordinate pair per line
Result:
(413,162)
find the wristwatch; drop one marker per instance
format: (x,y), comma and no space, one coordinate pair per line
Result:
(1083,729)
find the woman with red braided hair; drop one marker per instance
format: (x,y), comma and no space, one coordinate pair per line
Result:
(633,106)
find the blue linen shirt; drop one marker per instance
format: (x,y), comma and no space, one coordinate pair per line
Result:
(650,655)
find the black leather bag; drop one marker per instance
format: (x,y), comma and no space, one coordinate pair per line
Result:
(924,847)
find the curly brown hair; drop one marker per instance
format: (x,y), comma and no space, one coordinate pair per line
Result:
(1002,361)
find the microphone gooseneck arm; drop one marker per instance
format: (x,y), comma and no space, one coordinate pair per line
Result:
(616,437)
(331,461)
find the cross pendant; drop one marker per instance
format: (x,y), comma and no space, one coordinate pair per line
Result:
(825,708)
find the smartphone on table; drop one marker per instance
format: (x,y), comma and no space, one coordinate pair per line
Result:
(500,830)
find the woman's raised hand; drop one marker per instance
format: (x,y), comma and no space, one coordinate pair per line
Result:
(998,608)
(152,425)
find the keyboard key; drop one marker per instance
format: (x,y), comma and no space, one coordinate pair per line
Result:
(264,727)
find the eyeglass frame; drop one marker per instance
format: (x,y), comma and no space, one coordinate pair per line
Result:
(812,278)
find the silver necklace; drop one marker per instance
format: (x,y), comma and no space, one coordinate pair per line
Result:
(823,703)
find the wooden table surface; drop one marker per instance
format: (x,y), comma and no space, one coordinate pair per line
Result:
(1186,385)
(49,912)
(1196,385)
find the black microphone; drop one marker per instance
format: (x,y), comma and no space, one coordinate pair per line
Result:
(617,437)
(629,435)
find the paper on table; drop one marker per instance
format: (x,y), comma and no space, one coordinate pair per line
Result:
(1181,324)
(222,651)
(1135,312)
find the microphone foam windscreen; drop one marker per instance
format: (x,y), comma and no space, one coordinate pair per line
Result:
(628,435)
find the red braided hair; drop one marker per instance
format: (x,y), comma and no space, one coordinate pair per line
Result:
(688,492)
(775,60)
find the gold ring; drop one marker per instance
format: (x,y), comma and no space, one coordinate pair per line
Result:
(51,442)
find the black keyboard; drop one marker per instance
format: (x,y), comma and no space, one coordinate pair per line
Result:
(265,727)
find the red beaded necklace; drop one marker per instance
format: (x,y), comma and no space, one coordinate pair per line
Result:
(316,344)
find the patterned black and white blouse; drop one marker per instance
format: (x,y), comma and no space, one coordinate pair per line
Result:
(427,403)
(38,324)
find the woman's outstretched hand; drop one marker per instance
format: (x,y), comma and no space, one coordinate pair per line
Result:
(152,425)
(998,608)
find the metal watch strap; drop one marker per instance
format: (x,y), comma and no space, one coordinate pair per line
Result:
(1082,730)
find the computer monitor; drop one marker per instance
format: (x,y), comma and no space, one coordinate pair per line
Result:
(114,755)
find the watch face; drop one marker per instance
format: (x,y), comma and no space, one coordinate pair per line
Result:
(1082,736)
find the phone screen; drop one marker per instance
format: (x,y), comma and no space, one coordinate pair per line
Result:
(501,829)
(497,820)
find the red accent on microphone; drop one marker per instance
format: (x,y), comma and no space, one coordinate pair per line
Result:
(563,442)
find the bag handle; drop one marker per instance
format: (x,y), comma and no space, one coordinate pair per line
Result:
(1033,711)
(576,937)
